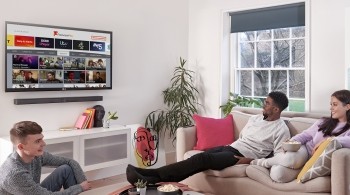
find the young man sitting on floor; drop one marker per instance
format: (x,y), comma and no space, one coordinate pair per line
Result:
(20,173)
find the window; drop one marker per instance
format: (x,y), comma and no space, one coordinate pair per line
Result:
(267,60)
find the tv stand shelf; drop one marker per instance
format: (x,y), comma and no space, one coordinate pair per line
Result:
(95,148)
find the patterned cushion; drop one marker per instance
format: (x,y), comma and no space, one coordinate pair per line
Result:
(320,162)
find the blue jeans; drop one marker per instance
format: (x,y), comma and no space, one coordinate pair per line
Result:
(62,176)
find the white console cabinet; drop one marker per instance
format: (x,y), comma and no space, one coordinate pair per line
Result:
(94,149)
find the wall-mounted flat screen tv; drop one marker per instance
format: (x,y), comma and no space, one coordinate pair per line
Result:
(55,58)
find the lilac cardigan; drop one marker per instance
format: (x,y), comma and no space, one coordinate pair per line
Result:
(312,137)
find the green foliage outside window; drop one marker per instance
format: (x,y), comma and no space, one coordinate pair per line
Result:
(238,100)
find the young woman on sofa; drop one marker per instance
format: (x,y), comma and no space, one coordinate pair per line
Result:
(336,126)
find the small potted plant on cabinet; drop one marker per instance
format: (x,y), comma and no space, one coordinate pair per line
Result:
(111,116)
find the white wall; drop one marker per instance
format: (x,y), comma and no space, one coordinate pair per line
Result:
(327,50)
(327,47)
(149,37)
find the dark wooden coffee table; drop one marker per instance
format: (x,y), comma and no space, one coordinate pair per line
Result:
(152,189)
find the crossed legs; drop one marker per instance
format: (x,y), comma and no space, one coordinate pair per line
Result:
(293,160)
(216,158)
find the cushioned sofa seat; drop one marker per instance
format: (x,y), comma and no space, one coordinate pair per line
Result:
(253,179)
(209,184)
(262,175)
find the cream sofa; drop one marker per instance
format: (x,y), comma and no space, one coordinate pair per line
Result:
(255,180)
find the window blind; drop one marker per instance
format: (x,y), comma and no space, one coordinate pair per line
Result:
(290,15)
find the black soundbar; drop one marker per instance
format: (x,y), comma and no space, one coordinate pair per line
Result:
(57,100)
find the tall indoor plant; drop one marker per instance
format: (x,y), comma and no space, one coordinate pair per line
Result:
(181,100)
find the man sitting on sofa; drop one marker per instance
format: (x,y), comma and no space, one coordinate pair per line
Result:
(262,135)
(20,173)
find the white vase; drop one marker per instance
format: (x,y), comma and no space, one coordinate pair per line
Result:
(106,124)
(142,191)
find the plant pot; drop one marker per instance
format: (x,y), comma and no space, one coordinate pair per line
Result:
(106,124)
(142,191)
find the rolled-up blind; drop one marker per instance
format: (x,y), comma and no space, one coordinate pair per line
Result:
(290,15)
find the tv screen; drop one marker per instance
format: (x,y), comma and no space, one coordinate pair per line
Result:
(55,58)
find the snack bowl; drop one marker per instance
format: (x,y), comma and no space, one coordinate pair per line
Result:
(167,189)
(291,146)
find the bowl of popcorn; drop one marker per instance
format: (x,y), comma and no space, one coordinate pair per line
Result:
(291,146)
(167,189)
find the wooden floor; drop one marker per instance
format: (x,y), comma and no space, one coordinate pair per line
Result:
(122,178)
(108,181)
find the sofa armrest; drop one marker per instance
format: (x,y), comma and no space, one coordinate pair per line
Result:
(186,139)
(341,172)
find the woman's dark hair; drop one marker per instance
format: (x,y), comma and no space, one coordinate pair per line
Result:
(22,129)
(280,99)
(329,123)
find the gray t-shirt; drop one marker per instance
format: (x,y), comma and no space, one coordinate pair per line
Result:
(18,177)
(259,137)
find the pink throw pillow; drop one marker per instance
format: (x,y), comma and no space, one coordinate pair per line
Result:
(213,132)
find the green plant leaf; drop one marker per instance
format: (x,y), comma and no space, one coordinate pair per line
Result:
(181,101)
(112,116)
(237,100)
(140,183)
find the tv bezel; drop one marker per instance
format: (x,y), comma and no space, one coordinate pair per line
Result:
(59,88)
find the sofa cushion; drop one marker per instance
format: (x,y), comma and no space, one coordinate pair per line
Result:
(190,153)
(299,124)
(213,132)
(320,162)
(262,175)
(233,171)
(240,120)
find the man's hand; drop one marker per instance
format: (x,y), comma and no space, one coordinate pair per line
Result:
(86,185)
(243,160)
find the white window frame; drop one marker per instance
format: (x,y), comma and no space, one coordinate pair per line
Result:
(230,48)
